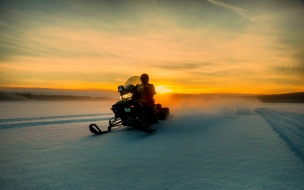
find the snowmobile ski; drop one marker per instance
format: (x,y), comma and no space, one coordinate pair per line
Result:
(95,129)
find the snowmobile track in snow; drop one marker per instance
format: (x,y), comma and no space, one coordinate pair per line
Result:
(41,121)
(289,126)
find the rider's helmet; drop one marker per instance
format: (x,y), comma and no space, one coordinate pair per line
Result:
(144,78)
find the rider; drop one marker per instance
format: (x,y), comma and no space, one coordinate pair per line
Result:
(147,91)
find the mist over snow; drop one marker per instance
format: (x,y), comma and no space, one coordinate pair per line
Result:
(209,143)
(215,106)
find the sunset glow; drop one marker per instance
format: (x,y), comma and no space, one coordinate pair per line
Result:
(206,46)
(162,89)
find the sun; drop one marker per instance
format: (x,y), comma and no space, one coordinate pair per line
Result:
(162,89)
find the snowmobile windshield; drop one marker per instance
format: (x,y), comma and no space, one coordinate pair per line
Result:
(132,81)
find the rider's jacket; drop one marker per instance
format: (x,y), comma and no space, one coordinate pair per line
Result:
(146,91)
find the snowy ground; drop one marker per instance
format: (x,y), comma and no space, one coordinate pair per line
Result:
(226,144)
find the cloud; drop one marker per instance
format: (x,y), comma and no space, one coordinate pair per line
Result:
(183,65)
(291,70)
(244,13)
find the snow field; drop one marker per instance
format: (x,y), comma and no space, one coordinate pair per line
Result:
(289,126)
(220,145)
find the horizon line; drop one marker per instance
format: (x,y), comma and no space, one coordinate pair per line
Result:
(169,93)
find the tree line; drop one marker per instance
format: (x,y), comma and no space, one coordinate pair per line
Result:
(296,97)
(46,97)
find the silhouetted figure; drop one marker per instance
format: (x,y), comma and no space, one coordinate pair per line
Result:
(146,93)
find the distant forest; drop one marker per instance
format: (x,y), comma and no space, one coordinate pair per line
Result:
(297,97)
(20,96)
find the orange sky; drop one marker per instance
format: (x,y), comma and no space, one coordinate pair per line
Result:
(187,47)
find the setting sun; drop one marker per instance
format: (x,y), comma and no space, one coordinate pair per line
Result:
(162,89)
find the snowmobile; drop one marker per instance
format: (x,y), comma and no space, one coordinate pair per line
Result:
(130,112)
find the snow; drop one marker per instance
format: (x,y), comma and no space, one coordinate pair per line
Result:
(289,126)
(218,144)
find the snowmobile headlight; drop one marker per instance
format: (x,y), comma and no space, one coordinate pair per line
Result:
(126,96)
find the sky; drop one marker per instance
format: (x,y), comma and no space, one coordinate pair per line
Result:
(194,46)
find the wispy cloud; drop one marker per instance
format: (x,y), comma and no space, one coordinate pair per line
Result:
(244,13)
(183,65)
